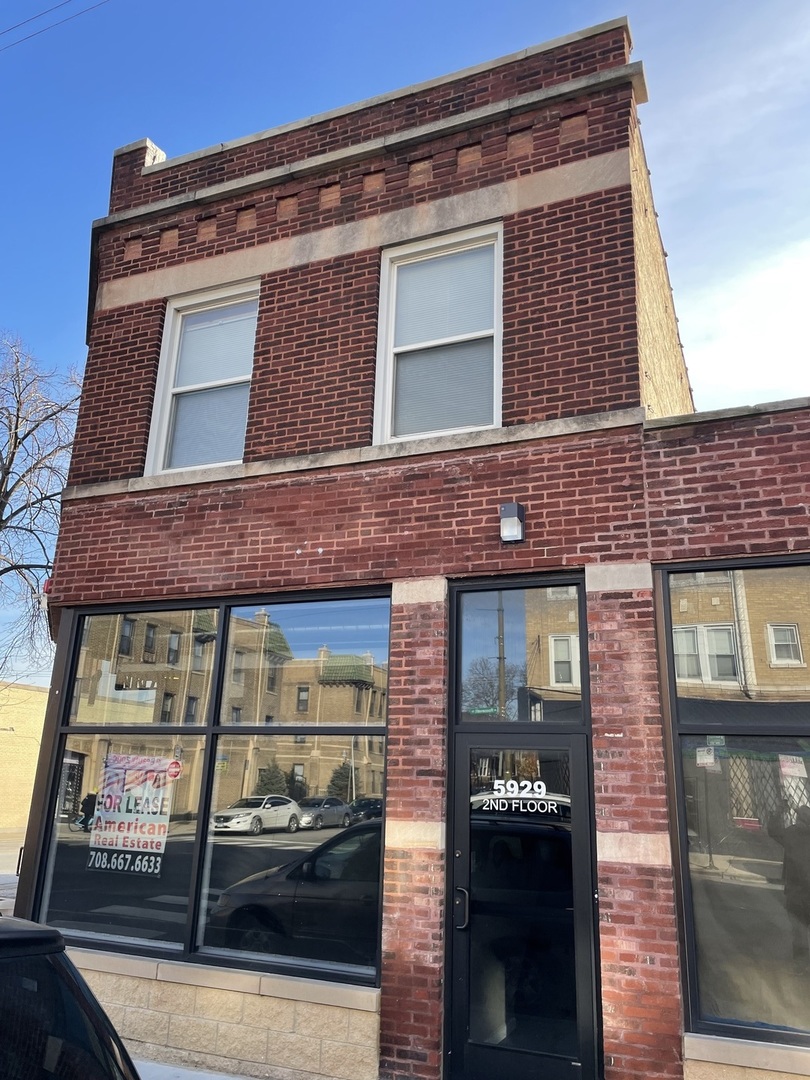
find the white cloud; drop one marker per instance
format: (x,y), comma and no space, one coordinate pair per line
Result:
(747,339)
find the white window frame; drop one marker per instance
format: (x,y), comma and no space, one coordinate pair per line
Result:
(392,258)
(165,393)
(778,661)
(701,632)
(573,647)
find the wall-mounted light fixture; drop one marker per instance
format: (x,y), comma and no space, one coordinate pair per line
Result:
(513,522)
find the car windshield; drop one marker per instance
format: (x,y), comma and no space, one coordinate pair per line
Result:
(311,802)
(47,1028)
(250,804)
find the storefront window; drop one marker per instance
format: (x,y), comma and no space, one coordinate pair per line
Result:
(743,716)
(306,662)
(303,805)
(123,836)
(131,668)
(520,655)
(285,873)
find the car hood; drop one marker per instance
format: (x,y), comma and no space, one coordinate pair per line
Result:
(235,813)
(258,882)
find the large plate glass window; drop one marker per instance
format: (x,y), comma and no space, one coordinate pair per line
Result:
(123,836)
(288,770)
(742,696)
(440,336)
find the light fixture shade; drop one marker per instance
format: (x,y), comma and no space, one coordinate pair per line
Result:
(513,522)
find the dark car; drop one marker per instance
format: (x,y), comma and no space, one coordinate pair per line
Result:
(365,808)
(51,1025)
(325,905)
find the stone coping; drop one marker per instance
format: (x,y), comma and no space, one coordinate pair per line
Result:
(380,99)
(287,987)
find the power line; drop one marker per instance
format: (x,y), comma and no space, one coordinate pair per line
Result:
(50,26)
(34,18)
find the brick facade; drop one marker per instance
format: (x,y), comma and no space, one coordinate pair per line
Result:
(545,143)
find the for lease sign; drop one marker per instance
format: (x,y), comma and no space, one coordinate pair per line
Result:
(131,819)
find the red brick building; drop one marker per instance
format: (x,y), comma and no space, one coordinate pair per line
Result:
(387,459)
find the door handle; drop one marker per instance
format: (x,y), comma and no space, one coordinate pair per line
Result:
(463,902)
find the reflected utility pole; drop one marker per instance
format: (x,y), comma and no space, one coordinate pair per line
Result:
(501,660)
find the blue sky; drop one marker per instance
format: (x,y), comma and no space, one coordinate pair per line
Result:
(726,134)
(725,130)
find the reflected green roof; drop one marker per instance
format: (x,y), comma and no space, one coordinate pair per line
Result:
(276,644)
(350,669)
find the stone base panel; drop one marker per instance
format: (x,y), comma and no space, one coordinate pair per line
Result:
(241,1022)
(707,1057)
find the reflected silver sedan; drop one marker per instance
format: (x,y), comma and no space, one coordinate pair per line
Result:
(257,813)
(318,811)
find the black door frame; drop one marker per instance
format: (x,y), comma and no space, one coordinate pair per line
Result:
(493,1059)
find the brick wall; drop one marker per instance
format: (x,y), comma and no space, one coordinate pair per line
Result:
(118,392)
(389,180)
(641,1009)
(414,873)
(733,486)
(372,121)
(391,520)
(569,344)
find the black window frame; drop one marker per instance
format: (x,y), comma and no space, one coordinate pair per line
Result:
(60,724)
(675,729)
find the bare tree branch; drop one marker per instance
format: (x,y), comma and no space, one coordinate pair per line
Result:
(37,416)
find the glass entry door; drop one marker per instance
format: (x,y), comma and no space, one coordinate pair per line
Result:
(522,999)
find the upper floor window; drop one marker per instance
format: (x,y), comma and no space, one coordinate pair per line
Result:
(705,652)
(125,637)
(563,650)
(201,402)
(439,345)
(784,644)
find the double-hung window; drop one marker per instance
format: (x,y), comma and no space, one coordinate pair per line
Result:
(201,405)
(707,653)
(439,346)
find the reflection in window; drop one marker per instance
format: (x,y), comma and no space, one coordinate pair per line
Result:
(105,881)
(307,662)
(308,906)
(125,639)
(736,636)
(748,824)
(126,675)
(322,655)
(520,655)
(167,709)
(785,647)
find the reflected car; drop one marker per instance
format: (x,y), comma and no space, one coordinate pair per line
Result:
(257,813)
(325,905)
(319,811)
(52,1024)
(365,808)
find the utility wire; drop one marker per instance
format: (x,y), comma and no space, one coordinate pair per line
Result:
(34,18)
(50,26)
